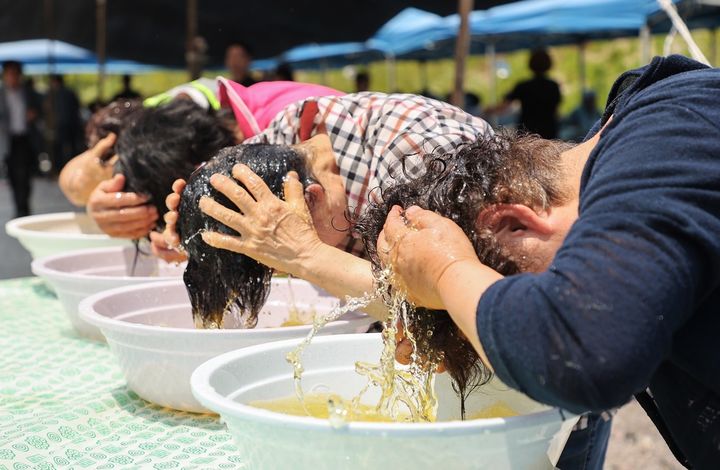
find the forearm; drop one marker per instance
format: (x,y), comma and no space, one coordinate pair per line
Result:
(341,274)
(460,288)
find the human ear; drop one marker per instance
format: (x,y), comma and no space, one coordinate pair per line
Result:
(509,221)
(314,195)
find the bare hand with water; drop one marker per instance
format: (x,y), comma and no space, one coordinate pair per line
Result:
(167,245)
(421,245)
(277,233)
(121,214)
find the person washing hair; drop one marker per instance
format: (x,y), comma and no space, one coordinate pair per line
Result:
(88,179)
(615,286)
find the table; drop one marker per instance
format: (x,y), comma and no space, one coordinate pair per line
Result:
(64,402)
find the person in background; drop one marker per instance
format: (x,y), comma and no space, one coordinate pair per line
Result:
(17,116)
(578,123)
(362,82)
(539,98)
(37,127)
(127,93)
(63,111)
(284,73)
(238,57)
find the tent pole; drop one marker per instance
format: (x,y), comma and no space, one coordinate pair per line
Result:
(192,54)
(391,72)
(100,44)
(491,57)
(645,45)
(713,46)
(323,72)
(581,66)
(462,47)
(424,85)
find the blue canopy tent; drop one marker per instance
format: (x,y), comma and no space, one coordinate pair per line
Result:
(45,56)
(414,34)
(323,56)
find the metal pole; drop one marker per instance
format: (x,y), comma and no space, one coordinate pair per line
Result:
(462,47)
(424,83)
(100,44)
(492,71)
(391,72)
(581,66)
(645,45)
(192,55)
(50,33)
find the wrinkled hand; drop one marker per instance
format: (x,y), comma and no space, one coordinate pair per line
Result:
(172,202)
(84,172)
(277,233)
(162,250)
(121,214)
(421,245)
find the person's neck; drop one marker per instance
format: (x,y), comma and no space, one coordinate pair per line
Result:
(574,161)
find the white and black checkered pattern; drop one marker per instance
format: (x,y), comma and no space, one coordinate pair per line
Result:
(378,139)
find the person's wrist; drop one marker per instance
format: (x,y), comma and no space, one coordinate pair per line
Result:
(311,260)
(456,274)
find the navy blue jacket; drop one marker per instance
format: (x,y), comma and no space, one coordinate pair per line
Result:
(632,298)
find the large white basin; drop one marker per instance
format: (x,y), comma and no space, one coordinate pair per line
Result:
(76,275)
(48,234)
(533,440)
(150,329)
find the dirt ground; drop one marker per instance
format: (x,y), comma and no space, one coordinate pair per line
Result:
(636,444)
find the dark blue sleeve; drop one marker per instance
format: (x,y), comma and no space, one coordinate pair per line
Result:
(589,333)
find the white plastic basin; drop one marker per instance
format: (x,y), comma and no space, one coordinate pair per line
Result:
(48,234)
(150,330)
(76,275)
(533,440)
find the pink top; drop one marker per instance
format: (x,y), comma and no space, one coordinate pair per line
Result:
(255,106)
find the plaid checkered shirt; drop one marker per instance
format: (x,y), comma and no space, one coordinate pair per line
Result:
(378,139)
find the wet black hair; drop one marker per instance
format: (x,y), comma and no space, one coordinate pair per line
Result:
(166,143)
(501,169)
(219,280)
(113,117)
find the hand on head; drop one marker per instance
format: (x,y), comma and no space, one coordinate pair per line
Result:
(277,233)
(420,245)
(120,214)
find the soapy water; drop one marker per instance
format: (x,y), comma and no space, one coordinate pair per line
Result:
(325,405)
(406,392)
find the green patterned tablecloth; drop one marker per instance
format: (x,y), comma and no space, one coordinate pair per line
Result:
(64,402)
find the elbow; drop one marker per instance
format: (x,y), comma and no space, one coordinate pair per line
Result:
(593,388)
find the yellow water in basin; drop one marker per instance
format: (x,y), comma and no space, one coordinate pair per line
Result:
(321,405)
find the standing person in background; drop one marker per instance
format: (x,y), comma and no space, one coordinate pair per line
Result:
(127,93)
(17,115)
(362,82)
(578,123)
(284,73)
(238,57)
(63,104)
(539,98)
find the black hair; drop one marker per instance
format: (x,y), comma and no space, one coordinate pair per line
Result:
(166,143)
(236,43)
(12,64)
(220,280)
(540,61)
(111,118)
(459,186)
